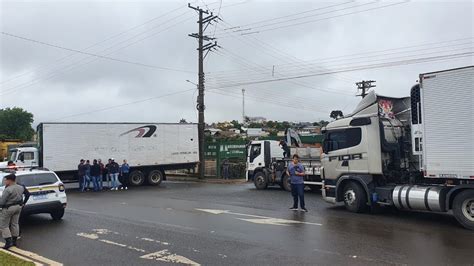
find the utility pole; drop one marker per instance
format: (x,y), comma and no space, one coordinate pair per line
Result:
(243,106)
(364,86)
(203,22)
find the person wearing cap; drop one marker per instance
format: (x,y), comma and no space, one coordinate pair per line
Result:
(11,203)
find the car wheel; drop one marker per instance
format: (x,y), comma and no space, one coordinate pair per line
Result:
(463,208)
(355,198)
(57,215)
(260,180)
(155,177)
(136,178)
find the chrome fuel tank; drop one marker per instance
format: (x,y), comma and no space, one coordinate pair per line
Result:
(412,197)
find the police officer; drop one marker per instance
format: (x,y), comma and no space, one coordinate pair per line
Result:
(11,203)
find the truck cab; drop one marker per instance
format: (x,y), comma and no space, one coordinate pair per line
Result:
(412,153)
(23,157)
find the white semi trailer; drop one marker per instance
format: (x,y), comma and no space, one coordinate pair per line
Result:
(150,148)
(414,153)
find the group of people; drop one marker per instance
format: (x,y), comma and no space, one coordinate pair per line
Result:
(96,173)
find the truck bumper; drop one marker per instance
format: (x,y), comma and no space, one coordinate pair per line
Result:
(249,175)
(329,193)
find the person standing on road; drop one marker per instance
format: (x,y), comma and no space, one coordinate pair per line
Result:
(81,172)
(95,174)
(101,176)
(296,173)
(11,203)
(225,169)
(107,173)
(87,176)
(124,172)
(113,170)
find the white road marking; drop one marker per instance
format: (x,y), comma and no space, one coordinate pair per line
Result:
(166,256)
(156,241)
(35,257)
(162,255)
(90,236)
(258,219)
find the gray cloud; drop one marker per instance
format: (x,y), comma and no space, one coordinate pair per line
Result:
(50,89)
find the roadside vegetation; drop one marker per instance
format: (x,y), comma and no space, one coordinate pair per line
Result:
(11,260)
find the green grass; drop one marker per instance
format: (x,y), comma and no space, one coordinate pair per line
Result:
(9,260)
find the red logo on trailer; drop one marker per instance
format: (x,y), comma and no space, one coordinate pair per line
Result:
(142,132)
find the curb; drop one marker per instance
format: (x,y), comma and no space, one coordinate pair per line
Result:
(20,257)
(31,257)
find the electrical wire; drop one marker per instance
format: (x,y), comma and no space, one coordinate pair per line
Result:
(121,105)
(96,44)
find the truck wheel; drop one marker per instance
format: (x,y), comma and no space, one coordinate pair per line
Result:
(463,208)
(260,180)
(285,183)
(57,215)
(136,178)
(355,198)
(155,177)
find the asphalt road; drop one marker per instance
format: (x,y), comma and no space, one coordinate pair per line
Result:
(222,224)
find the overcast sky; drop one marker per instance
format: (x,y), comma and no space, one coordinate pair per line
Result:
(324,37)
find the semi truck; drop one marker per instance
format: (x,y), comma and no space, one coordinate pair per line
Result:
(267,161)
(413,153)
(149,148)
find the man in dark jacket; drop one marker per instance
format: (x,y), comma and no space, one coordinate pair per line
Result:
(95,175)
(113,169)
(81,173)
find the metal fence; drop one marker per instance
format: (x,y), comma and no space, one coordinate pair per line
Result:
(234,152)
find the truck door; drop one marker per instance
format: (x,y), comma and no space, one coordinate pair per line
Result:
(26,158)
(335,158)
(256,157)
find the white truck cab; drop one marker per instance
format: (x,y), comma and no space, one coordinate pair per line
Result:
(23,157)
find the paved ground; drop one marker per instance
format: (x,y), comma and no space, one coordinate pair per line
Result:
(234,224)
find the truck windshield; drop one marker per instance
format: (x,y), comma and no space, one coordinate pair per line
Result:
(13,155)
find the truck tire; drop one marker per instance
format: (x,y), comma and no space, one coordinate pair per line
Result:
(286,184)
(355,198)
(136,178)
(463,208)
(155,177)
(57,215)
(260,180)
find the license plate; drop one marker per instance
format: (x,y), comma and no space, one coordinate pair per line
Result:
(40,197)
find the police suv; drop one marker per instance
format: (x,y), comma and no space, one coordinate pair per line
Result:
(48,194)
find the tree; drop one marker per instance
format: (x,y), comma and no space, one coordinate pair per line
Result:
(183,121)
(15,123)
(336,114)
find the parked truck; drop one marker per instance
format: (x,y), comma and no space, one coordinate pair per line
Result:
(414,153)
(4,147)
(150,148)
(267,161)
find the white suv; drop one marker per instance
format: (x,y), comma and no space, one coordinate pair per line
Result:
(48,194)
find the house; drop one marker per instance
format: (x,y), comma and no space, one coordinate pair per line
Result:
(256,132)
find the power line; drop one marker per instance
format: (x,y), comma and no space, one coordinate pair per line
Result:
(94,55)
(233,78)
(388,64)
(121,105)
(312,21)
(98,43)
(76,64)
(281,17)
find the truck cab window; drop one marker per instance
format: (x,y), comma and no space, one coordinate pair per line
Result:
(342,139)
(255,151)
(26,156)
